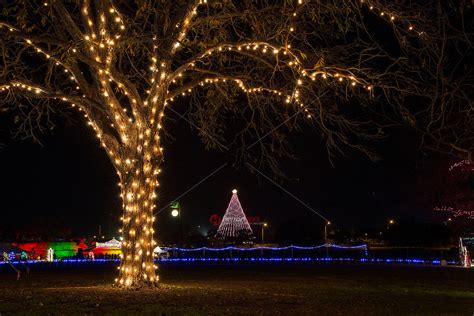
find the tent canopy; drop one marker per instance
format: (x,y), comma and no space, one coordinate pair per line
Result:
(111,244)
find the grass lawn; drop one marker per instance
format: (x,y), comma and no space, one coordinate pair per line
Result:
(245,290)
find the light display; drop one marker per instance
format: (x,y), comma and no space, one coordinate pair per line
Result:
(113,243)
(111,247)
(62,249)
(458,187)
(234,224)
(120,74)
(327,245)
(50,255)
(275,260)
(464,165)
(455,212)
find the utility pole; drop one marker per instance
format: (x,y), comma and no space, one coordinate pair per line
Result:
(326,236)
(263,226)
(176,212)
(326,231)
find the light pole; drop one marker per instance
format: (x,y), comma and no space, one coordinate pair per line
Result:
(176,212)
(263,226)
(326,231)
(326,236)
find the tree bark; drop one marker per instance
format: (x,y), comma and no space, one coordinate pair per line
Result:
(139,179)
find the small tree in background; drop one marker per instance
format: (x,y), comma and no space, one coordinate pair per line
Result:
(346,67)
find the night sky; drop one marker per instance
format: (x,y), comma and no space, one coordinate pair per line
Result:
(67,184)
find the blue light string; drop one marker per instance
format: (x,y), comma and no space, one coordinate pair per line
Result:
(257,259)
(309,259)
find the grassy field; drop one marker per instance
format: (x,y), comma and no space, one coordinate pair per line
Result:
(247,290)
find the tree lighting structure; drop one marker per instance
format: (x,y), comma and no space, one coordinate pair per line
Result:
(234,224)
(120,65)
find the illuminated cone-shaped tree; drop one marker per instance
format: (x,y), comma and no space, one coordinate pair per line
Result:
(234,224)
(120,64)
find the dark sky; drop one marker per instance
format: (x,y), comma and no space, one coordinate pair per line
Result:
(68,184)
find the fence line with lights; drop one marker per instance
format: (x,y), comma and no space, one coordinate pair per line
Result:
(291,254)
(78,263)
(327,245)
(292,251)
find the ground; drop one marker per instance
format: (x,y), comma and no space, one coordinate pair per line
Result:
(246,290)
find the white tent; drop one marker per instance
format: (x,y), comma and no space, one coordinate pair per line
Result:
(111,244)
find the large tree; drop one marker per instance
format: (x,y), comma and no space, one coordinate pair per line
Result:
(347,67)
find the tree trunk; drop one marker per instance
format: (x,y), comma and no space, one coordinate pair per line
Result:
(138,186)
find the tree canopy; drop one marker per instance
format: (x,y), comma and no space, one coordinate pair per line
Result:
(351,66)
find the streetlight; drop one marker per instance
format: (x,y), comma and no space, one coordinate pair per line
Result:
(326,236)
(263,225)
(326,231)
(176,212)
(391,222)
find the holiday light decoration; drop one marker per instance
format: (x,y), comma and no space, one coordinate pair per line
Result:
(463,165)
(234,223)
(326,245)
(455,212)
(62,249)
(120,66)
(246,260)
(111,247)
(458,194)
(50,255)
(113,243)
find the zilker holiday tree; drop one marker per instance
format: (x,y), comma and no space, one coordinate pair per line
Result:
(234,225)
